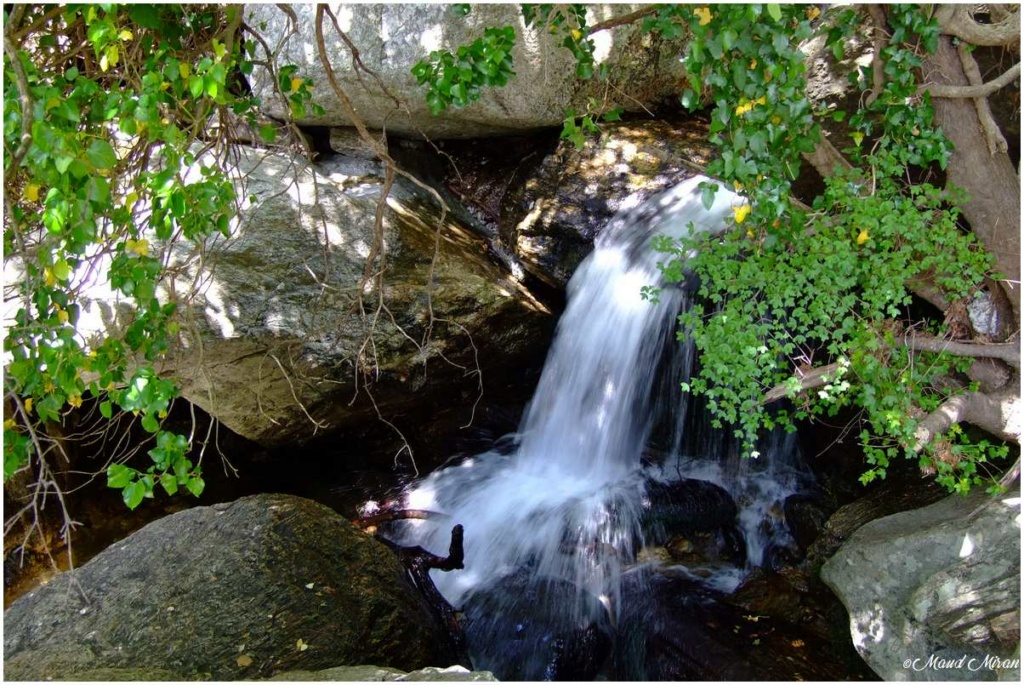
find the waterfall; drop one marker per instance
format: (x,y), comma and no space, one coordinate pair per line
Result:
(563,499)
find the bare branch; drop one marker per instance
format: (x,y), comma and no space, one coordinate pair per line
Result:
(974,91)
(1008,352)
(623,20)
(881,41)
(24,97)
(814,378)
(957,21)
(827,159)
(1000,416)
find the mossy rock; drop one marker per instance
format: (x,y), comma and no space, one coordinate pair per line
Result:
(235,591)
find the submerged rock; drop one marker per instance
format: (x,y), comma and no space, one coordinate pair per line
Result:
(526,627)
(941,583)
(241,590)
(672,628)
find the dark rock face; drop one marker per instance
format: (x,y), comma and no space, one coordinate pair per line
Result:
(551,221)
(524,628)
(695,519)
(242,590)
(671,628)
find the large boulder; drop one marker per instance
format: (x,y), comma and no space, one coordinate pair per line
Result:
(391,38)
(265,584)
(934,593)
(279,347)
(551,221)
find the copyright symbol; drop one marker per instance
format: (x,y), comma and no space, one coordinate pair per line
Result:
(907,663)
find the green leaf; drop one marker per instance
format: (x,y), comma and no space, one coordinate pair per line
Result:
(133,494)
(118,476)
(774,11)
(150,424)
(195,85)
(196,485)
(101,155)
(107,410)
(169,483)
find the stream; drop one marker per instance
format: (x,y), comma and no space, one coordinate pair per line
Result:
(567,521)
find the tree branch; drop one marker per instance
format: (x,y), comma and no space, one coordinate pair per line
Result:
(1000,416)
(624,19)
(827,159)
(957,21)
(881,41)
(1007,352)
(24,97)
(815,378)
(974,91)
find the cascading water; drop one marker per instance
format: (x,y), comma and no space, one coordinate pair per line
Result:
(565,503)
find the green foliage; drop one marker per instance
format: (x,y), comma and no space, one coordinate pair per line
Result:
(457,79)
(788,288)
(103,113)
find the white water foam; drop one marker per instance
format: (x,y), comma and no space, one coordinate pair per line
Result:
(567,502)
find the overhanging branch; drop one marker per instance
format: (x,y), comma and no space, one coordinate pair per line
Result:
(815,378)
(1007,352)
(978,91)
(1000,416)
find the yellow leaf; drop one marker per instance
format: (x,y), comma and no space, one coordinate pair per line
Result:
(32,192)
(763,100)
(75,401)
(858,137)
(9,424)
(244,661)
(776,120)
(62,316)
(738,186)
(185,70)
(740,213)
(48,276)
(125,34)
(296,83)
(53,102)
(863,236)
(139,247)
(753,63)
(705,15)
(744,107)
(28,405)
(300,645)
(130,201)
(48,385)
(813,12)
(576,34)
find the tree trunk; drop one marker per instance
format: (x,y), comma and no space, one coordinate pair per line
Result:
(993,208)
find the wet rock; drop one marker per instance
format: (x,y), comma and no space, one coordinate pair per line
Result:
(379,674)
(944,578)
(241,590)
(695,520)
(806,514)
(672,628)
(526,627)
(889,497)
(550,222)
(644,69)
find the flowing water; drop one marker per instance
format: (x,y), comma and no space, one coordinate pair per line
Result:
(564,498)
